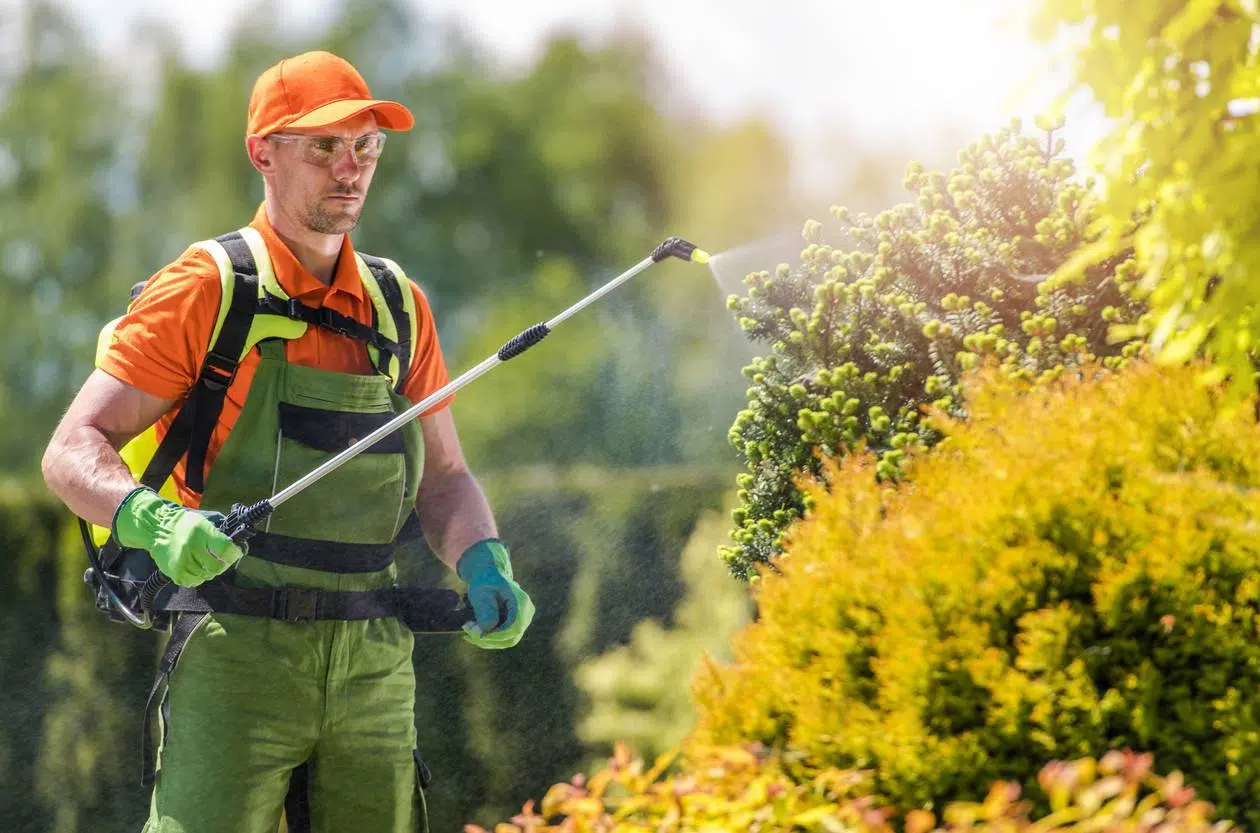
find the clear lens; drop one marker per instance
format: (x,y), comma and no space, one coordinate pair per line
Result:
(326,150)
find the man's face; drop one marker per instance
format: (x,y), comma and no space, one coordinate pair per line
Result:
(325,195)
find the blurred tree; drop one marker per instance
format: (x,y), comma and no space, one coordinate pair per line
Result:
(563,161)
(553,182)
(1178,83)
(59,189)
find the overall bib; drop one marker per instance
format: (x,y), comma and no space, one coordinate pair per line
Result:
(252,698)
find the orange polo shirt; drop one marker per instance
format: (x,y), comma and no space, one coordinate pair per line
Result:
(159,345)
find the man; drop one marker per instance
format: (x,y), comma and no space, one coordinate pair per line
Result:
(252,698)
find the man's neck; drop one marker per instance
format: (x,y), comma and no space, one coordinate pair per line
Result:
(316,252)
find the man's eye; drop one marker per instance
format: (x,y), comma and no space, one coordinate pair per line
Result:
(324,145)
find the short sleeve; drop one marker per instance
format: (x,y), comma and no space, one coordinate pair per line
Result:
(159,344)
(428,368)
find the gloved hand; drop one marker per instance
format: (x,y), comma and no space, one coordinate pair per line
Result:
(186,544)
(487,570)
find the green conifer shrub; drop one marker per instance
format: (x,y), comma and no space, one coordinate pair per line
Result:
(885,314)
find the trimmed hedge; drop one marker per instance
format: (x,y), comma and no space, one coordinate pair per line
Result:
(637,693)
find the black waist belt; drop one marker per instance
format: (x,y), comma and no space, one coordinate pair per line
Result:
(422,609)
(329,556)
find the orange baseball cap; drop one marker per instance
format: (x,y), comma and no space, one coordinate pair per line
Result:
(315,89)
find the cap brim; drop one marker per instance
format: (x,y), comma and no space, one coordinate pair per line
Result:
(389,114)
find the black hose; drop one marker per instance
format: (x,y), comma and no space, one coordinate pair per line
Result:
(101,581)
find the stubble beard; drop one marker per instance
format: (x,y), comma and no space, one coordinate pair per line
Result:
(324,222)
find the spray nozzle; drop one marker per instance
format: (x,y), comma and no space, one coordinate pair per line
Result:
(681,249)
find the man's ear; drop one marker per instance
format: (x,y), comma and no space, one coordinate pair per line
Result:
(261,153)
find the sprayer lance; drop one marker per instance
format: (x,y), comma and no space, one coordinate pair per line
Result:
(240,522)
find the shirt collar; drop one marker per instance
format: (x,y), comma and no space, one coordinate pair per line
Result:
(294,278)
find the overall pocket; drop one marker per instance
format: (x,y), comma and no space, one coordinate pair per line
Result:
(363,501)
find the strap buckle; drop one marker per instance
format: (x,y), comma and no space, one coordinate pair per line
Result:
(330,320)
(296,604)
(218,370)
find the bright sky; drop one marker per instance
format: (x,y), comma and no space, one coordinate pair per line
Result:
(893,70)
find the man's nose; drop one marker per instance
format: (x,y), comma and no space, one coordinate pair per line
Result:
(345,167)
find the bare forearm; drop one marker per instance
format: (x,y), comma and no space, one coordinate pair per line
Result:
(83,468)
(454,514)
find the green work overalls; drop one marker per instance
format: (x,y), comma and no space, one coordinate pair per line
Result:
(252,698)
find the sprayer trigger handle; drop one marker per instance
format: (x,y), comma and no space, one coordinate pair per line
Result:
(239,523)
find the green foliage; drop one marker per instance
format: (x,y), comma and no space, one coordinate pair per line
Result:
(634,691)
(743,788)
(1072,570)
(888,318)
(1176,81)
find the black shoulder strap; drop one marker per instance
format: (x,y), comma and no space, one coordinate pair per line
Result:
(194,424)
(393,292)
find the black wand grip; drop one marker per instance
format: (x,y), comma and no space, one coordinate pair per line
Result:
(240,522)
(523,341)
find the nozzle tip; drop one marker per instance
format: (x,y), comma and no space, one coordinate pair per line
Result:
(681,249)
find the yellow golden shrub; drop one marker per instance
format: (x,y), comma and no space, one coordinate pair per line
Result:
(1075,569)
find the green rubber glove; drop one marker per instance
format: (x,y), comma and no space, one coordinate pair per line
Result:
(185,544)
(487,570)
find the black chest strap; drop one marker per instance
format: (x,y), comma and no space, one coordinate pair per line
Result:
(330,319)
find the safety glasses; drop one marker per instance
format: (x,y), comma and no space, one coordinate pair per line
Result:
(325,150)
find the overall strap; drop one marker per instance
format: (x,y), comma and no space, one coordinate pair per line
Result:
(219,367)
(392,290)
(194,424)
(181,631)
